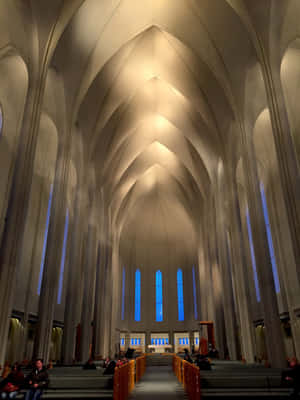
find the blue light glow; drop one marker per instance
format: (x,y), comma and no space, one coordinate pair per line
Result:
(63,258)
(180,301)
(253,257)
(195,294)
(45,241)
(159,297)
(269,236)
(137,309)
(123,294)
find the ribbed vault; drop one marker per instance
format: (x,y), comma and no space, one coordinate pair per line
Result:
(155,102)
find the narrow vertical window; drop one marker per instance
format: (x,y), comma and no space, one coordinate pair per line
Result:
(180,302)
(63,259)
(253,257)
(269,236)
(195,294)
(137,309)
(123,294)
(45,241)
(1,120)
(159,297)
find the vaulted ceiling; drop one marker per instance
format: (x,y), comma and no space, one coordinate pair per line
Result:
(156,88)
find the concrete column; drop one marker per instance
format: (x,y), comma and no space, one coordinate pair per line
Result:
(287,159)
(99,291)
(48,297)
(101,300)
(240,276)
(73,288)
(216,283)
(203,286)
(147,340)
(226,277)
(88,294)
(127,340)
(115,294)
(274,339)
(191,339)
(13,231)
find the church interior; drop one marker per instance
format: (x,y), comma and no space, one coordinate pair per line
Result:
(149,178)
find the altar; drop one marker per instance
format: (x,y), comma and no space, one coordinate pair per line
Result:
(160,348)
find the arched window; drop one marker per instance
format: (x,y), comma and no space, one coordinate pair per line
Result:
(252,256)
(63,258)
(180,301)
(123,294)
(269,236)
(45,241)
(159,296)
(137,308)
(195,294)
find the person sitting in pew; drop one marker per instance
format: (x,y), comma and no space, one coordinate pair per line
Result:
(38,380)
(202,362)
(11,385)
(89,364)
(292,375)
(110,366)
(187,356)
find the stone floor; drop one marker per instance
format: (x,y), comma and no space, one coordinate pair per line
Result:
(159,382)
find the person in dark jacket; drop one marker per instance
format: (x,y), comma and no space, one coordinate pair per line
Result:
(38,380)
(187,356)
(11,385)
(293,375)
(202,362)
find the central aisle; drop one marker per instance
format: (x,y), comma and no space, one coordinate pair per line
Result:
(158,382)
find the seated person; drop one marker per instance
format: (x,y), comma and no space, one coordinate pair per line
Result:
(110,366)
(129,353)
(38,380)
(292,375)
(11,385)
(121,360)
(6,370)
(187,356)
(202,362)
(89,364)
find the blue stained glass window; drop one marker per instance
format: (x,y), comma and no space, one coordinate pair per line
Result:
(156,341)
(136,341)
(269,236)
(179,340)
(45,241)
(123,294)
(137,309)
(195,294)
(186,340)
(163,341)
(159,297)
(152,341)
(253,257)
(122,342)
(180,295)
(1,121)
(167,341)
(140,341)
(132,342)
(63,258)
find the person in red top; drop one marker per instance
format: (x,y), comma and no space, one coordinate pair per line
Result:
(11,385)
